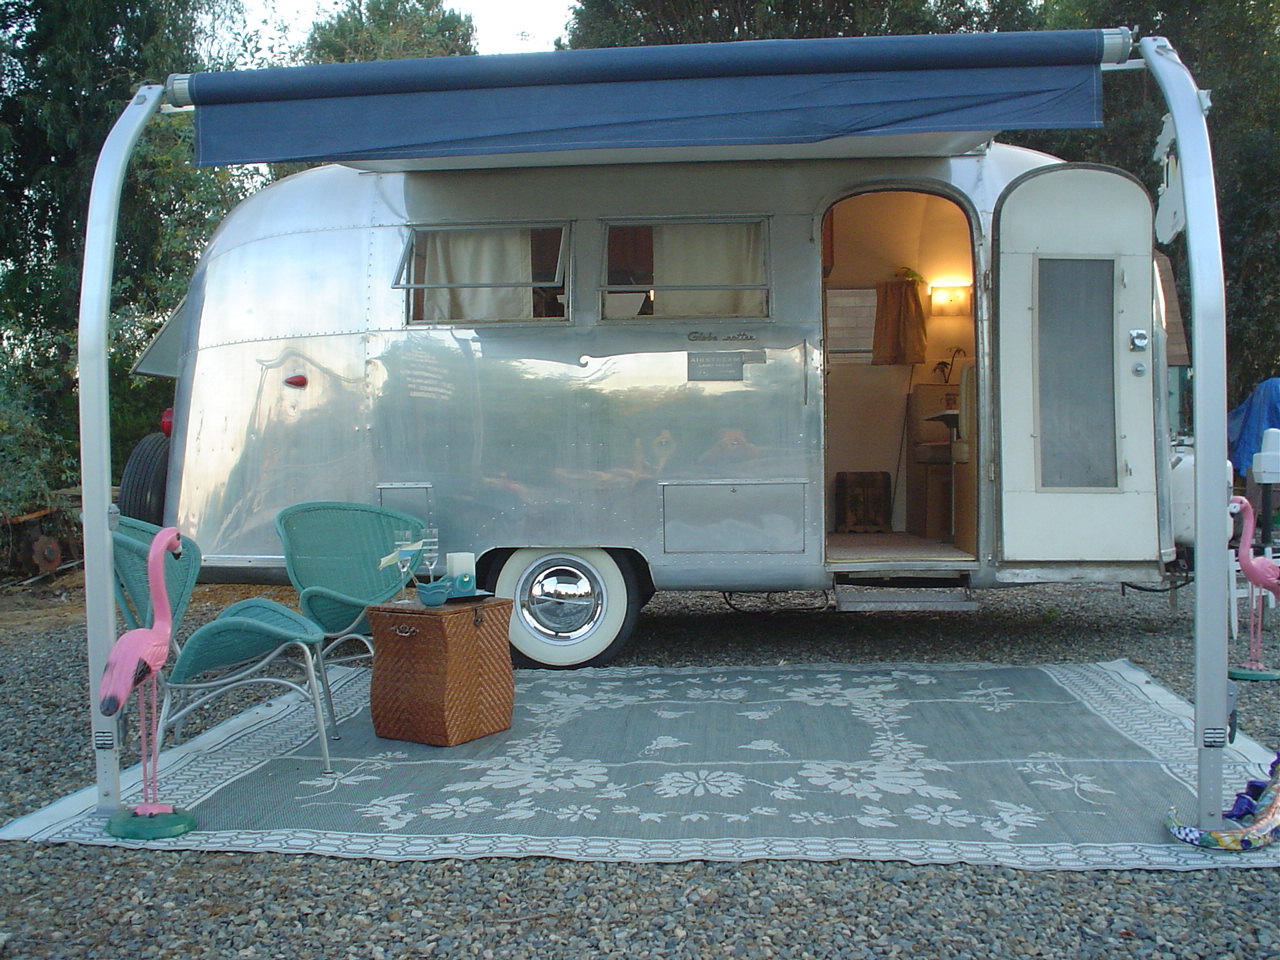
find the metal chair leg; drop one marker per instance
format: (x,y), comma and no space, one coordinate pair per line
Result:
(328,693)
(308,663)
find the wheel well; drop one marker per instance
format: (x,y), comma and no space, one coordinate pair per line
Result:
(639,566)
(490,565)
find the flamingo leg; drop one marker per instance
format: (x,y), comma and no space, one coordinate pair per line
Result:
(144,747)
(150,748)
(1255,629)
(1252,666)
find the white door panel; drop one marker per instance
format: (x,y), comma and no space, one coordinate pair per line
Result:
(1077,448)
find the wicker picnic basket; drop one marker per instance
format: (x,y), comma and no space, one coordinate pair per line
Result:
(441,675)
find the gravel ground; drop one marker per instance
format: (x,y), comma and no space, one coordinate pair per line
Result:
(84,902)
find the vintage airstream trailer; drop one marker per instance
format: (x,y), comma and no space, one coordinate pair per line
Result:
(921,362)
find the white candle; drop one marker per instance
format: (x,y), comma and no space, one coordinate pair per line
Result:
(458,564)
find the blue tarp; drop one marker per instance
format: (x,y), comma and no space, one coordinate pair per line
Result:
(1246,423)
(748,93)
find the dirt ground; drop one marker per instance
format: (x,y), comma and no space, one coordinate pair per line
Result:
(58,601)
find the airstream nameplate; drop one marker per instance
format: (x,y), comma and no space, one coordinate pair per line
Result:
(722,365)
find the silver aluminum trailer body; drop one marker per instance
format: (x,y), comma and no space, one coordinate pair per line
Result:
(708,452)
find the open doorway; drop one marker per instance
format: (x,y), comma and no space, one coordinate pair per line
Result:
(901,384)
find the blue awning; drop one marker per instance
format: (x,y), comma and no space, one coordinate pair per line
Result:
(764,92)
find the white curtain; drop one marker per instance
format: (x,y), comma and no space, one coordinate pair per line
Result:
(474,256)
(708,255)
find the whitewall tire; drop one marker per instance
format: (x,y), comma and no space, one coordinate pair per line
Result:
(572,607)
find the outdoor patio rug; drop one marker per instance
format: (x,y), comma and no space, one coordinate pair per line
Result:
(1050,767)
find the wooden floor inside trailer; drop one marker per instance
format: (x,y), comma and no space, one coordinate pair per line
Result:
(893,548)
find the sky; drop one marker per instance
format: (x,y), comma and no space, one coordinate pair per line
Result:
(502,26)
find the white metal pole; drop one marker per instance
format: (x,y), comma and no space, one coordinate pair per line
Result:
(95,428)
(1187,108)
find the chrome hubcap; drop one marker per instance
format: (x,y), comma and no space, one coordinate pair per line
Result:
(561,600)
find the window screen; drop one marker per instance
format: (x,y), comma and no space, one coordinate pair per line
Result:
(1076,374)
(484,274)
(685,270)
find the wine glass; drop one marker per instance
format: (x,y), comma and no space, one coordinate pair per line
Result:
(405,549)
(431,550)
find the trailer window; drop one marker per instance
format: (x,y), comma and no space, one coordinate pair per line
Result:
(1076,373)
(685,270)
(484,274)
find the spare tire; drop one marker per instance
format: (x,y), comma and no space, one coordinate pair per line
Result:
(146,474)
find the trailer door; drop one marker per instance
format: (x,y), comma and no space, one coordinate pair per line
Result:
(1075,386)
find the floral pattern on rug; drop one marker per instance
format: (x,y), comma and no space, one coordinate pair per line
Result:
(766,776)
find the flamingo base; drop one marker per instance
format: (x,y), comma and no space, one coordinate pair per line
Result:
(130,825)
(1245,671)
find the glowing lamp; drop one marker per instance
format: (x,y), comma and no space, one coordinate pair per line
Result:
(950,301)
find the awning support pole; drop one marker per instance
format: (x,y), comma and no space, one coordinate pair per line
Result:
(1209,394)
(95,425)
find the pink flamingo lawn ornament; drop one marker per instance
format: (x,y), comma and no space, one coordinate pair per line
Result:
(1263,574)
(134,663)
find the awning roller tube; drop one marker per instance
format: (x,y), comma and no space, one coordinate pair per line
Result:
(629,64)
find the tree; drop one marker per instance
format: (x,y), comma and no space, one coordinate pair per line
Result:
(613,23)
(67,67)
(388,30)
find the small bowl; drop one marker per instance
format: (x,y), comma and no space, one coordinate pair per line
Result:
(434,594)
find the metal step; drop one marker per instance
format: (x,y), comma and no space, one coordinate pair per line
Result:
(904,599)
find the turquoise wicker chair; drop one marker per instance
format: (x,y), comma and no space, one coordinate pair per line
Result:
(332,551)
(236,649)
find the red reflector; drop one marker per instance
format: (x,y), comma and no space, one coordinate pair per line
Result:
(166,422)
(297,380)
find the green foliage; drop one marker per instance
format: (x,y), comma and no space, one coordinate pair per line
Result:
(614,23)
(388,30)
(29,468)
(67,68)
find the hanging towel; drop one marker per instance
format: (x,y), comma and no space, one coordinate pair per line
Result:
(899,332)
